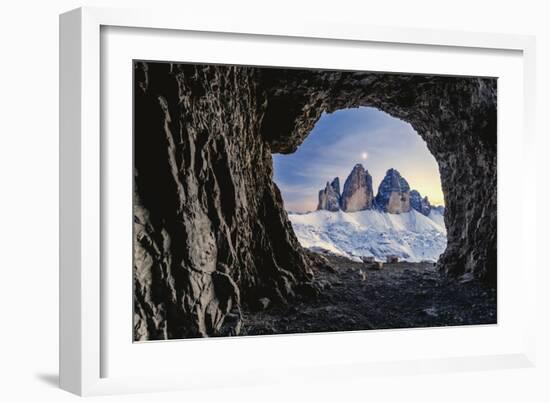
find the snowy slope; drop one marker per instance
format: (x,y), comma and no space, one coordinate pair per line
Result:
(411,236)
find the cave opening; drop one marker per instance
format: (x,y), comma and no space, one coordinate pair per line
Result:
(213,244)
(364,185)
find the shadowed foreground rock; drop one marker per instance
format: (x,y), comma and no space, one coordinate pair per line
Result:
(362,296)
(210,230)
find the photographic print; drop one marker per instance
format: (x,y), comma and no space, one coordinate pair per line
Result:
(272,200)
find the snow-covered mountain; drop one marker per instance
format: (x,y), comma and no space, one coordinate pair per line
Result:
(412,236)
(394,194)
(355,224)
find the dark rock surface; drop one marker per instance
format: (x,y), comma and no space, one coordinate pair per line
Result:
(329,197)
(210,232)
(357,194)
(419,203)
(415,200)
(425,206)
(336,185)
(393,193)
(360,296)
(456,116)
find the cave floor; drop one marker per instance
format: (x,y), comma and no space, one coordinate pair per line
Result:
(401,295)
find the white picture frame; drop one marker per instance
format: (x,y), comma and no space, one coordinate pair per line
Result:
(83,308)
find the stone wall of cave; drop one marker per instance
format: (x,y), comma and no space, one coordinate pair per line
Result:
(210,230)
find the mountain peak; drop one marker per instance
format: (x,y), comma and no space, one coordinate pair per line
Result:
(357,194)
(336,185)
(329,197)
(394,193)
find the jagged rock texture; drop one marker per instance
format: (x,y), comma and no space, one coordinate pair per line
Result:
(329,197)
(419,203)
(456,116)
(210,230)
(357,194)
(393,193)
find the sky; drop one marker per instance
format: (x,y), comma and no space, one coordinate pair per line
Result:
(349,136)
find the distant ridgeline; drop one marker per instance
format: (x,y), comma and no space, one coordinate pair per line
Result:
(394,194)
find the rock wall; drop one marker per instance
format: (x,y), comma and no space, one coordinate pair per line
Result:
(398,202)
(394,193)
(419,203)
(456,116)
(210,230)
(329,197)
(357,194)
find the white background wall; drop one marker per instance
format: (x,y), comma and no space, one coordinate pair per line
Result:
(29,201)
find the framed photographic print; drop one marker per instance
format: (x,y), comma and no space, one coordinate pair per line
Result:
(238,192)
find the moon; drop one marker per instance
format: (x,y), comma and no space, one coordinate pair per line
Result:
(364,155)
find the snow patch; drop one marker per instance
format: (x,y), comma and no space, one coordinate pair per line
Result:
(411,236)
